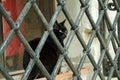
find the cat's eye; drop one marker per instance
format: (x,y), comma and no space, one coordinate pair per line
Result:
(60,31)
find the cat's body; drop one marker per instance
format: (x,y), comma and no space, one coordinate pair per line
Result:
(49,54)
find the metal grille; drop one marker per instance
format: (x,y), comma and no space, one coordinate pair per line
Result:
(114,68)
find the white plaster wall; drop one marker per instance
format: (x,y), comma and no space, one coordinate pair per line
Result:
(76,50)
(111,15)
(87,29)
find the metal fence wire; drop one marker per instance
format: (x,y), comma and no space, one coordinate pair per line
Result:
(112,37)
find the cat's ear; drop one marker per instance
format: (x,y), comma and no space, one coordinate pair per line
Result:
(56,25)
(56,22)
(63,21)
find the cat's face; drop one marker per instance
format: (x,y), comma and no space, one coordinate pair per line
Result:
(60,30)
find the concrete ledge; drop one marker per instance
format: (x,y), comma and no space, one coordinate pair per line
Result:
(62,76)
(68,75)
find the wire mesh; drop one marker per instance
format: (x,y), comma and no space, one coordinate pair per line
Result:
(61,7)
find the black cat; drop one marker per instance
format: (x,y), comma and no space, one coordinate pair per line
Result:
(49,54)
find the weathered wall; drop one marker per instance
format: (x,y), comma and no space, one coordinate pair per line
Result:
(76,50)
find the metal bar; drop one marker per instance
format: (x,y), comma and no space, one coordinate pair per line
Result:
(111,28)
(113,67)
(1,37)
(5,73)
(117,3)
(112,37)
(23,13)
(1,29)
(46,25)
(31,63)
(33,56)
(11,33)
(72,23)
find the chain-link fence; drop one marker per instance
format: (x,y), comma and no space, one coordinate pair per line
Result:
(113,37)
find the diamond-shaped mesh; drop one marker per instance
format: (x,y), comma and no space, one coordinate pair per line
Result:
(103,16)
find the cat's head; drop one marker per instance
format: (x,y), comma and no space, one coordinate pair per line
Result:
(60,30)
